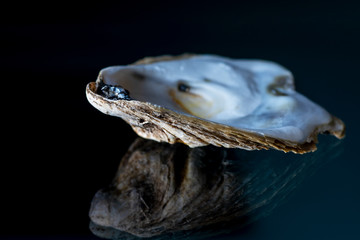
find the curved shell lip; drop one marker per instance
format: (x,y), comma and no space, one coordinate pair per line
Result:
(157,123)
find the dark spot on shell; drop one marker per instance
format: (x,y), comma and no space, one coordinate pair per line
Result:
(112,92)
(138,76)
(279,86)
(182,87)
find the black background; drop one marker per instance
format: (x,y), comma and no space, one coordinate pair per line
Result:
(58,150)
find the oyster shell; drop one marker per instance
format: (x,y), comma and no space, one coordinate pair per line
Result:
(207,99)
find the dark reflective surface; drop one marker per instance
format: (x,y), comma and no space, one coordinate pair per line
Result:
(162,190)
(58,151)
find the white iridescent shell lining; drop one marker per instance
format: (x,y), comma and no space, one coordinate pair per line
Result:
(253,95)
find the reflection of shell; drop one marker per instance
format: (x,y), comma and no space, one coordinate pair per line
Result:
(205,99)
(161,188)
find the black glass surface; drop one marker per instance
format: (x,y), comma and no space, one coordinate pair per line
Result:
(58,151)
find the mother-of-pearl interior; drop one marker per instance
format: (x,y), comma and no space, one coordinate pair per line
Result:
(254,95)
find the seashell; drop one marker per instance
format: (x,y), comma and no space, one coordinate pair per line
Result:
(162,189)
(207,99)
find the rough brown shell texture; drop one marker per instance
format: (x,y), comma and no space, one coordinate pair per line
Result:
(163,125)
